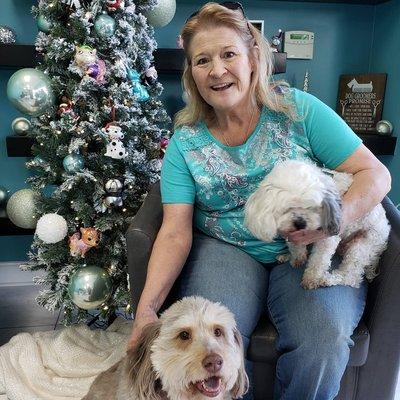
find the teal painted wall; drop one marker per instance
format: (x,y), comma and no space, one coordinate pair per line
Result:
(348,39)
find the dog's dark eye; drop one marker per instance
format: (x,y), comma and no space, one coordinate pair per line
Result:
(217,332)
(184,335)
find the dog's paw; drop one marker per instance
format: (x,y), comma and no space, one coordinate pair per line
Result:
(342,278)
(311,280)
(282,258)
(298,261)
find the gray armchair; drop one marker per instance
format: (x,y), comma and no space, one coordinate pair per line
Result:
(372,370)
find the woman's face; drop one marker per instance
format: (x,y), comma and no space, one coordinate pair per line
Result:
(221,67)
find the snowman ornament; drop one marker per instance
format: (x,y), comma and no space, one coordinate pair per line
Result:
(115,148)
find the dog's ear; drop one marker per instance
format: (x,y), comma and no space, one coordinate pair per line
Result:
(259,212)
(241,385)
(141,372)
(331,214)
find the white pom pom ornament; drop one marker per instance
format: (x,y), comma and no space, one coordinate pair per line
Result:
(51,228)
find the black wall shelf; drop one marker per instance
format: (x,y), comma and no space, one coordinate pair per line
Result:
(20,146)
(7,228)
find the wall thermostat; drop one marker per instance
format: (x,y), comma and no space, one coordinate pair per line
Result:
(299,44)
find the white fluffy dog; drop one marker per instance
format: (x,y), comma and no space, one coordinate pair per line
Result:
(299,195)
(193,352)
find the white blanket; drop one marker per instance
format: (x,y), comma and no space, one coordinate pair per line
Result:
(59,365)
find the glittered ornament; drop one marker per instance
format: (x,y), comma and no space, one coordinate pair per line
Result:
(104,26)
(21,208)
(89,287)
(44,24)
(51,228)
(138,90)
(162,13)
(21,126)
(73,163)
(7,35)
(29,90)
(3,196)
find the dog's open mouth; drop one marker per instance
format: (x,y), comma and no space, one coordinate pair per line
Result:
(210,387)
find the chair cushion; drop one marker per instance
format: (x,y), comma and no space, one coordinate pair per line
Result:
(262,344)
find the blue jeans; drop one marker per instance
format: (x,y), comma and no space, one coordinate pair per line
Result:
(314,326)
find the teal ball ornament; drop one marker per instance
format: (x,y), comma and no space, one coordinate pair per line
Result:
(21,126)
(29,90)
(89,287)
(104,26)
(21,208)
(162,13)
(3,196)
(73,163)
(44,24)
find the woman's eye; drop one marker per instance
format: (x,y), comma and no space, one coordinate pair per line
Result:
(201,61)
(229,54)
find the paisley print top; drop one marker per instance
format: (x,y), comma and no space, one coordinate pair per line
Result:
(218,179)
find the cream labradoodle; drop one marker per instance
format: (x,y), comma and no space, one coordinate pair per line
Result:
(193,352)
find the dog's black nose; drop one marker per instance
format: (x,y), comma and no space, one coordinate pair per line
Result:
(300,223)
(213,363)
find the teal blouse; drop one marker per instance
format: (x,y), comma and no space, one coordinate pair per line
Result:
(198,169)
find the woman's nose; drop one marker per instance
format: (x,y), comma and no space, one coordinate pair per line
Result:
(217,69)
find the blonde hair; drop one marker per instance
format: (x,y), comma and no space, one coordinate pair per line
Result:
(262,89)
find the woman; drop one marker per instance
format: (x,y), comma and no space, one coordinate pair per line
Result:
(236,126)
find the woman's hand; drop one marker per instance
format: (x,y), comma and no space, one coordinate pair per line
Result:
(305,236)
(142,319)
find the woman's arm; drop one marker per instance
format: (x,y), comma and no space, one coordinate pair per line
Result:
(168,256)
(371,183)
(170,251)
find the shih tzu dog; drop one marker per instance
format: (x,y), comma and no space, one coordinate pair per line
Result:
(193,352)
(299,195)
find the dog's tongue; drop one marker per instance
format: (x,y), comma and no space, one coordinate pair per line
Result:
(212,383)
(210,387)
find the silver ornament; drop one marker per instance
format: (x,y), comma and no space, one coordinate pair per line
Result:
(384,127)
(112,201)
(162,13)
(29,90)
(3,196)
(21,208)
(7,35)
(51,228)
(89,287)
(113,186)
(21,126)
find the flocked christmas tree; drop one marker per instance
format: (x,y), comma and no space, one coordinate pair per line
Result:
(99,148)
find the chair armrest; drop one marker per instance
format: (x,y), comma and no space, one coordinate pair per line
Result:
(140,237)
(382,318)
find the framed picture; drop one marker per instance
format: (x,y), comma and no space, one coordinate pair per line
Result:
(360,100)
(259,24)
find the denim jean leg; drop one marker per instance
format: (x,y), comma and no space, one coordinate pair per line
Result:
(223,273)
(314,329)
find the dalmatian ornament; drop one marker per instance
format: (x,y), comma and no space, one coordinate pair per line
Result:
(115,148)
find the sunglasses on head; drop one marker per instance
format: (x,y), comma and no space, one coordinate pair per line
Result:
(230,5)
